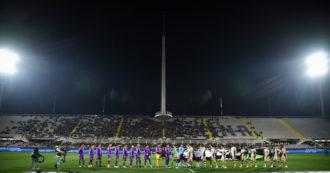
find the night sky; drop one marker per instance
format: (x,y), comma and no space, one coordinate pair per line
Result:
(247,52)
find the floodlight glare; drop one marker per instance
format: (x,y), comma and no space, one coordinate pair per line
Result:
(317,64)
(7,61)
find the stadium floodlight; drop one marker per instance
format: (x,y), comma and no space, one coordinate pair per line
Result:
(317,67)
(8,61)
(317,64)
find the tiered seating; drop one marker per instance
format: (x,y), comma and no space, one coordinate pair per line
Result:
(314,128)
(228,128)
(146,127)
(17,125)
(141,126)
(96,126)
(189,128)
(270,128)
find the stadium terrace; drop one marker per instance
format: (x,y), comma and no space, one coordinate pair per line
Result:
(182,141)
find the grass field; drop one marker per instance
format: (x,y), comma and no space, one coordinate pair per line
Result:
(21,162)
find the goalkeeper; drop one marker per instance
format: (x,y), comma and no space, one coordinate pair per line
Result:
(173,155)
(34,156)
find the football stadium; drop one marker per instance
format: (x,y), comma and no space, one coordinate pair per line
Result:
(237,86)
(305,140)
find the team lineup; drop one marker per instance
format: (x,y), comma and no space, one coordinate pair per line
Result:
(182,157)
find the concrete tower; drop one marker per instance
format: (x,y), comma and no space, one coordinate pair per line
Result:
(163,114)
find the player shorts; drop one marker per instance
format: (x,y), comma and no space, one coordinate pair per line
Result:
(185,159)
(157,156)
(124,158)
(208,158)
(138,158)
(99,157)
(283,158)
(178,160)
(109,156)
(233,157)
(197,158)
(275,158)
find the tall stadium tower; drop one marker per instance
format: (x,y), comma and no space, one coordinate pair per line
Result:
(163,114)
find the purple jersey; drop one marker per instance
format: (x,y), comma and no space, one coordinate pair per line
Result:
(109,152)
(167,152)
(158,151)
(117,152)
(99,151)
(81,152)
(131,154)
(147,153)
(138,152)
(91,152)
(124,153)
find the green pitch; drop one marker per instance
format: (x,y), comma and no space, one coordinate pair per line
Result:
(21,162)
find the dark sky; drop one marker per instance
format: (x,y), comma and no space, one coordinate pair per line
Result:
(244,51)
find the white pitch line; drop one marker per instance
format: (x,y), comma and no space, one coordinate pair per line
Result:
(192,171)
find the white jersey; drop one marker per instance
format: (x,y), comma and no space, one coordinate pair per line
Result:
(186,155)
(283,153)
(208,153)
(191,154)
(218,152)
(223,154)
(198,153)
(243,155)
(213,152)
(178,155)
(253,154)
(202,150)
(233,152)
(266,154)
(276,153)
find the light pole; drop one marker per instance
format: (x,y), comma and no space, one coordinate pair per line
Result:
(8,61)
(317,68)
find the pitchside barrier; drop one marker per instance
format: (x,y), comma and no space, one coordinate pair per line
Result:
(104,151)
